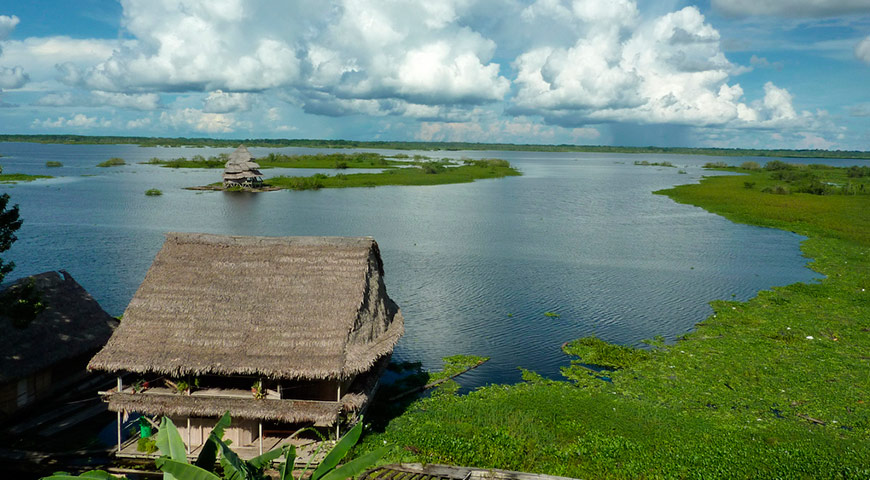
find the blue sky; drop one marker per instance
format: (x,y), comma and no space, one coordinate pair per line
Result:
(721,73)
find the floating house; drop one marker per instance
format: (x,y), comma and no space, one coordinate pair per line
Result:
(241,170)
(47,354)
(282,332)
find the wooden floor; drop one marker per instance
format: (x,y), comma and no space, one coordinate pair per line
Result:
(416,471)
(305,449)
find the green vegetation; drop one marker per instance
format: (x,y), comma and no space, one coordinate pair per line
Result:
(175,465)
(395,145)
(646,163)
(197,161)
(153,192)
(424,173)
(53,164)
(332,160)
(775,387)
(783,178)
(112,162)
(11,178)
(10,222)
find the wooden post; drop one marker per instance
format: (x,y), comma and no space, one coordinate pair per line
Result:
(188,435)
(120,387)
(261,436)
(338,421)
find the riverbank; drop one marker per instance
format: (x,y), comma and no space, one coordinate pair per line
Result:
(399,145)
(775,387)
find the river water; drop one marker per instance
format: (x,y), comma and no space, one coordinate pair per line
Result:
(474,267)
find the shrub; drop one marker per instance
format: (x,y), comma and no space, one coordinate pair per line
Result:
(749,185)
(750,166)
(112,162)
(777,189)
(715,165)
(341,165)
(53,163)
(858,172)
(432,168)
(775,165)
(153,192)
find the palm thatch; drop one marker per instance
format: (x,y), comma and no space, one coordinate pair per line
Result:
(72,324)
(290,411)
(241,168)
(280,307)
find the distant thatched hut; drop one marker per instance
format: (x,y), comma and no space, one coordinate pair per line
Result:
(241,170)
(49,353)
(281,332)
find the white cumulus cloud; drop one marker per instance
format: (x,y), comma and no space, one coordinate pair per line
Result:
(7,25)
(79,121)
(97,98)
(10,77)
(13,77)
(191,118)
(791,8)
(227,102)
(862,50)
(670,69)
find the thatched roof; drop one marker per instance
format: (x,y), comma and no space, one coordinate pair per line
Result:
(72,324)
(290,411)
(241,165)
(281,307)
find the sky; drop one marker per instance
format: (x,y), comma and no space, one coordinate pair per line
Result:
(713,73)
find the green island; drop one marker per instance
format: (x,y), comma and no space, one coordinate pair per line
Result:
(272,160)
(399,145)
(12,178)
(775,387)
(418,171)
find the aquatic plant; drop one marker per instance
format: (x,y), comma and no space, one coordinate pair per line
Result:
(53,164)
(153,192)
(112,162)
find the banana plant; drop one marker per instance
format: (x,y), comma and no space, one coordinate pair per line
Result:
(176,467)
(93,475)
(174,464)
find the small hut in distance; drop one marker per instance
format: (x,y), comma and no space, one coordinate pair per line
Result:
(241,170)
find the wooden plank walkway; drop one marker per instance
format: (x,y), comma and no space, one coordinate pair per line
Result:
(417,471)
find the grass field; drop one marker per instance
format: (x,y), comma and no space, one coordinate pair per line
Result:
(776,387)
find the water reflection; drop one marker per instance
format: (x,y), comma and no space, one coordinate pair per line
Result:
(473,266)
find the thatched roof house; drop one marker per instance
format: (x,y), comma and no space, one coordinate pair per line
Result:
(308,317)
(241,170)
(53,348)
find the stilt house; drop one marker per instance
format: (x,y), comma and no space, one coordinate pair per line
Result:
(241,170)
(282,332)
(47,354)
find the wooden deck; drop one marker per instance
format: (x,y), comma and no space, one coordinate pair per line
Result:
(417,471)
(305,450)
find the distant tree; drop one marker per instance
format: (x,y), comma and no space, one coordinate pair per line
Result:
(9,223)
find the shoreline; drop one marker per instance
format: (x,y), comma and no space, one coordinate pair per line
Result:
(774,387)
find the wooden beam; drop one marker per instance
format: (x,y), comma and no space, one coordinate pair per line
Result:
(120,387)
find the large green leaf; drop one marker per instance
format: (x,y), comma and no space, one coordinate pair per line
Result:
(285,471)
(208,455)
(184,471)
(234,467)
(355,466)
(169,441)
(95,474)
(265,459)
(338,451)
